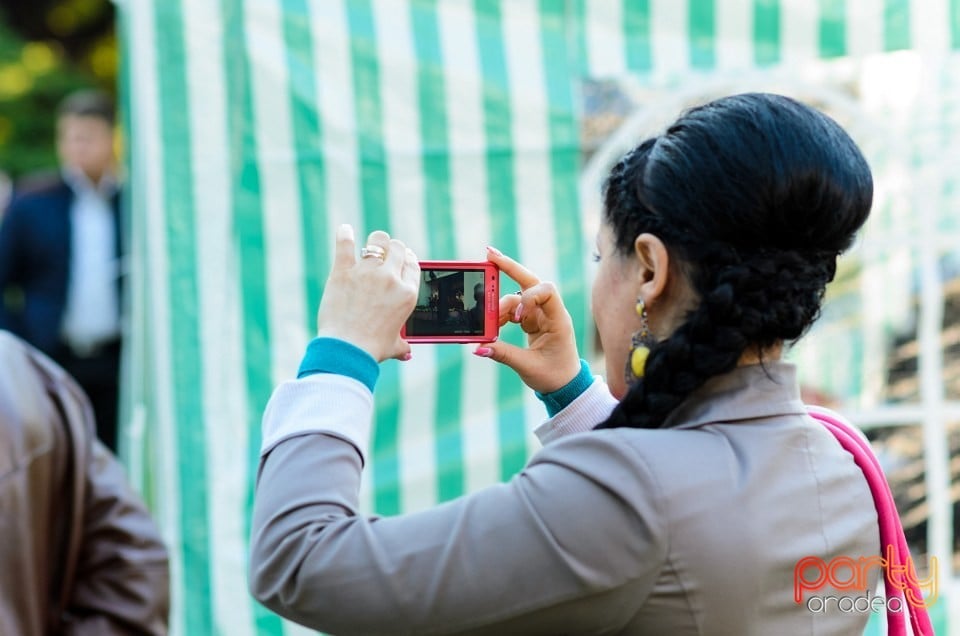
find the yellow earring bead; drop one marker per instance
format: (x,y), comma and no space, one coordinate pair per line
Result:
(638,360)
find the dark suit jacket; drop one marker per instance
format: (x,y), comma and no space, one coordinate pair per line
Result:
(35,237)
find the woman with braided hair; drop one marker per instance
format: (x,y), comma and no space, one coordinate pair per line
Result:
(676,497)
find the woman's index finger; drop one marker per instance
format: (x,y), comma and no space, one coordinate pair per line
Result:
(523,276)
(344,253)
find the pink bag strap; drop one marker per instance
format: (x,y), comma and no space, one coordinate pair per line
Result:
(893,543)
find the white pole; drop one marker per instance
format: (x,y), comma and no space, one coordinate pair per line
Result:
(927,200)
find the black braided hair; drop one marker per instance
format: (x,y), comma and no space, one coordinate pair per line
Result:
(756,195)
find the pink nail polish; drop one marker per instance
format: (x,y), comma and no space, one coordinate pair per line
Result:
(516,314)
(483,352)
(494,250)
(407,356)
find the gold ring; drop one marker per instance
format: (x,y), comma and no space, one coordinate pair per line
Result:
(373,251)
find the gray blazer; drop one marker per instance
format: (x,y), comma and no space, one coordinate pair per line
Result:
(691,529)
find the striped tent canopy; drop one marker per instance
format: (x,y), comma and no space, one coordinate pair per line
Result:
(257,126)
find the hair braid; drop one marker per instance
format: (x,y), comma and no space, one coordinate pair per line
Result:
(758,301)
(755,195)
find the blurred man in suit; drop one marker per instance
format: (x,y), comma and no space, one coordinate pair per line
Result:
(60,258)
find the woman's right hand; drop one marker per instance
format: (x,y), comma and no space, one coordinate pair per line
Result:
(365,302)
(550,360)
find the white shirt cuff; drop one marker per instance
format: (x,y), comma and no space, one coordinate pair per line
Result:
(320,403)
(589,409)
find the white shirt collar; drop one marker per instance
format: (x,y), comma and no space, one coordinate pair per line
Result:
(79,182)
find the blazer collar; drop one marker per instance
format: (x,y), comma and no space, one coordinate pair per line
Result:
(748,392)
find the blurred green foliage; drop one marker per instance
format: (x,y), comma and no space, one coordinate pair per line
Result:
(47,50)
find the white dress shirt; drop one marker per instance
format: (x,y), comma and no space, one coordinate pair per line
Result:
(92,314)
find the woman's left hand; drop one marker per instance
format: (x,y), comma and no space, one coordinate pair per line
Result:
(366,302)
(550,359)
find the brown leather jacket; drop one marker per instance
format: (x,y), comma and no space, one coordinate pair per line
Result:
(79,553)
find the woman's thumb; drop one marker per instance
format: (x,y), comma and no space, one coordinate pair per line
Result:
(504,353)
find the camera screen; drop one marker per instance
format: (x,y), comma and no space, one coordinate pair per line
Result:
(450,304)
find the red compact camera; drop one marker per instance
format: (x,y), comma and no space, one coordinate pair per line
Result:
(458,302)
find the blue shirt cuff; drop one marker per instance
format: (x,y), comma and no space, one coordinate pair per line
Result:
(331,355)
(556,401)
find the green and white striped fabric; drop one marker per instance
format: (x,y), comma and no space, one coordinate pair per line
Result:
(257,126)
(664,38)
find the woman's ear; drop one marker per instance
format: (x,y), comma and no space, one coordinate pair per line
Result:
(653,262)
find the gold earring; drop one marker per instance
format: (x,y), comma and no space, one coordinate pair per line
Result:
(641,343)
